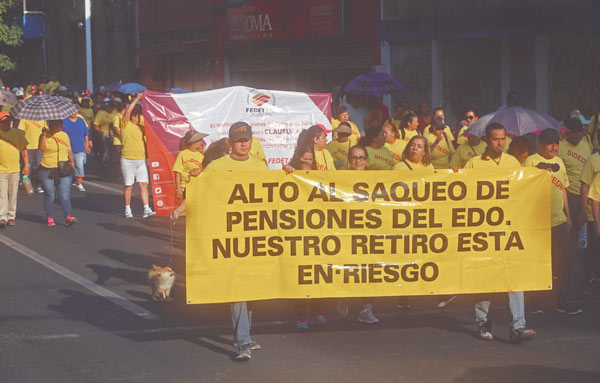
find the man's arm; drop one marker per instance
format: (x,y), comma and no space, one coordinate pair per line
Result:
(25,155)
(583,194)
(566,208)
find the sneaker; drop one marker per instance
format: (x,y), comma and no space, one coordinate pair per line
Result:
(253,346)
(366,316)
(148,213)
(244,353)
(342,307)
(485,331)
(2,223)
(128,213)
(536,310)
(51,221)
(11,222)
(39,190)
(74,185)
(569,310)
(447,302)
(80,187)
(71,220)
(321,319)
(302,324)
(519,335)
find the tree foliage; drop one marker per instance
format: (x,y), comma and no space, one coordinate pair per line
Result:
(9,35)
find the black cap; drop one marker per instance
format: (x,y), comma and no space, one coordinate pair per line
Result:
(574,125)
(549,136)
(240,130)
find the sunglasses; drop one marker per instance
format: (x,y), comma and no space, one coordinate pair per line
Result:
(358,158)
(470,117)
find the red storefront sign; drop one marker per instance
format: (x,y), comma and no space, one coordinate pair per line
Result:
(283,19)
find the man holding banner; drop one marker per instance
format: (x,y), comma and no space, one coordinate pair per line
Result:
(493,158)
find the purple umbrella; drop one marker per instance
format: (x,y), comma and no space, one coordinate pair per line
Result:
(516,120)
(374,84)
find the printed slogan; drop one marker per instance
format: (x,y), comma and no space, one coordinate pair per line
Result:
(265,235)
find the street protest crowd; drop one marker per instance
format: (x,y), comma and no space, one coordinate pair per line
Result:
(54,152)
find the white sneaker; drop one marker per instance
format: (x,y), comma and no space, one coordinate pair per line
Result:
(39,190)
(80,187)
(366,316)
(342,307)
(148,213)
(128,213)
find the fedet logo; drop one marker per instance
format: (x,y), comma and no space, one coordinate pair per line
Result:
(260,99)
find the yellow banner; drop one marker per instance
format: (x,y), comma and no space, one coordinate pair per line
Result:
(265,235)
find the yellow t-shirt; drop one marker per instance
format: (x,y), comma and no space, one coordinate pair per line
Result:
(11,144)
(132,140)
(507,144)
(339,152)
(354,137)
(116,121)
(7,108)
(559,180)
(396,149)
(465,152)
(589,171)
(33,130)
(88,115)
(103,120)
(440,155)
(59,141)
(380,159)
(185,162)
(462,139)
(408,134)
(324,160)
(256,149)
(228,164)
(595,190)
(574,157)
(506,161)
(414,166)
(594,135)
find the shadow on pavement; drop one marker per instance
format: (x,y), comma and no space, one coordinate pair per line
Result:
(526,373)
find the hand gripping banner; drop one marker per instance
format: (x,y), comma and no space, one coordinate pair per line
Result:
(276,117)
(265,235)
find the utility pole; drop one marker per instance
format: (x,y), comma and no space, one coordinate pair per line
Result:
(88,45)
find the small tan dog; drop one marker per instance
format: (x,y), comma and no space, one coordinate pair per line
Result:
(161,280)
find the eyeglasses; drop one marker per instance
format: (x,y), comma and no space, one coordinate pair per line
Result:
(358,158)
(470,117)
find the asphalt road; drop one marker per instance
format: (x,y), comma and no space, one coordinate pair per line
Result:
(75,307)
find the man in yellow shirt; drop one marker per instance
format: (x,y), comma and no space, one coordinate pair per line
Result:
(440,139)
(86,111)
(591,168)
(256,150)
(474,147)
(492,158)
(594,196)
(343,116)
(340,145)
(562,242)
(12,143)
(102,124)
(116,147)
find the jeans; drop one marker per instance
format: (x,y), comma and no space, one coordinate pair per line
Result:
(592,253)
(9,188)
(242,322)
(79,159)
(35,157)
(516,303)
(51,186)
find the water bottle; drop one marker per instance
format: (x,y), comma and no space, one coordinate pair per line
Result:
(583,237)
(27,185)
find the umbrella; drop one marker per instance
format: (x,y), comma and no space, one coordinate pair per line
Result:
(374,84)
(179,90)
(516,120)
(131,87)
(112,87)
(7,98)
(41,108)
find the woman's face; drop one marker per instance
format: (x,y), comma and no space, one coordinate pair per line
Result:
(55,125)
(198,146)
(321,141)
(413,123)
(306,161)
(358,159)
(471,117)
(417,150)
(389,135)
(380,138)
(343,117)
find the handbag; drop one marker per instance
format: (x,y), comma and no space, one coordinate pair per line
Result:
(64,168)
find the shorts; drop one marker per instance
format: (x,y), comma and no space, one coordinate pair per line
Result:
(134,171)
(79,159)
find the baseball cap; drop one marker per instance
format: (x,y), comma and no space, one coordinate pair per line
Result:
(574,124)
(5,116)
(85,98)
(323,128)
(549,136)
(343,128)
(576,113)
(19,93)
(197,136)
(240,130)
(62,88)
(438,123)
(106,100)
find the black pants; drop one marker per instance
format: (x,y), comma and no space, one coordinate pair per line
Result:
(564,250)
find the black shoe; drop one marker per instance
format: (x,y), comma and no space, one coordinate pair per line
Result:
(485,331)
(519,335)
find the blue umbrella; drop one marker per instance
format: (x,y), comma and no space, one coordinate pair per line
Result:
(131,87)
(179,90)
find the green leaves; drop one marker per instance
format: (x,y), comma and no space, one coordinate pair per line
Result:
(9,35)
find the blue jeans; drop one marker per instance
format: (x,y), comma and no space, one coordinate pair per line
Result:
(516,303)
(242,322)
(79,159)
(51,186)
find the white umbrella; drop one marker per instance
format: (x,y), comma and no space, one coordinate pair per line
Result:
(516,120)
(7,98)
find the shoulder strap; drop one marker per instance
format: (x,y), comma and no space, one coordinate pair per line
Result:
(446,138)
(407,165)
(403,133)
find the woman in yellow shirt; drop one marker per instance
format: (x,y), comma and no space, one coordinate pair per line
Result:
(189,158)
(440,141)
(55,147)
(416,156)
(393,140)
(380,157)
(316,136)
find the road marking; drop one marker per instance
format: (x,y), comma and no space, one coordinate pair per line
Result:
(100,186)
(99,290)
